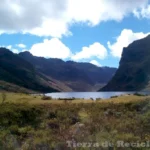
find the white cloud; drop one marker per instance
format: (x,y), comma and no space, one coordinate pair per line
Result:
(94,50)
(21,45)
(53,48)
(15,51)
(95,11)
(9,46)
(50,27)
(94,62)
(126,37)
(144,12)
(54,17)
(38,17)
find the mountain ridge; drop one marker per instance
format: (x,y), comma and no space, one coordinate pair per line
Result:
(15,70)
(79,76)
(41,74)
(133,73)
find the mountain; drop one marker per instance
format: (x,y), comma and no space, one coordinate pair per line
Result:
(17,73)
(133,73)
(77,76)
(27,73)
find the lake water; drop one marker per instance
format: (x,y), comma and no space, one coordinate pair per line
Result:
(88,95)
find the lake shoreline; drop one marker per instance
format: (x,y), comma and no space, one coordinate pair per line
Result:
(91,95)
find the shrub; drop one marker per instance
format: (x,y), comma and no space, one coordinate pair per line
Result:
(20,114)
(3,97)
(139,94)
(98,99)
(53,124)
(114,96)
(44,97)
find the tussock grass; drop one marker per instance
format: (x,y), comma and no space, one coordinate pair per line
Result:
(34,123)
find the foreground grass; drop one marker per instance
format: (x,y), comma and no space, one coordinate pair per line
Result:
(29,123)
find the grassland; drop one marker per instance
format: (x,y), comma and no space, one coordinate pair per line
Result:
(29,123)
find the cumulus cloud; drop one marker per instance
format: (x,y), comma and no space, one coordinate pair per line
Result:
(95,11)
(9,46)
(15,50)
(33,17)
(52,48)
(54,17)
(21,45)
(94,50)
(94,62)
(126,37)
(144,12)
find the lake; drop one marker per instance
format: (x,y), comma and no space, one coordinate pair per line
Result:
(88,95)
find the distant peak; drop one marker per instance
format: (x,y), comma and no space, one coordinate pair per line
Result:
(26,53)
(145,38)
(148,36)
(5,50)
(70,61)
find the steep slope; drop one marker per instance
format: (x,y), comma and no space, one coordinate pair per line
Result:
(78,76)
(15,70)
(96,74)
(134,70)
(57,69)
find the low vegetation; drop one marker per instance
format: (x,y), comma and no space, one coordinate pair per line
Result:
(44,97)
(3,97)
(29,123)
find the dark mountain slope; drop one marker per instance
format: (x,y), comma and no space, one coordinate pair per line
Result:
(78,76)
(134,70)
(15,70)
(96,74)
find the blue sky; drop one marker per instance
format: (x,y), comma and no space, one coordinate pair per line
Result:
(92,31)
